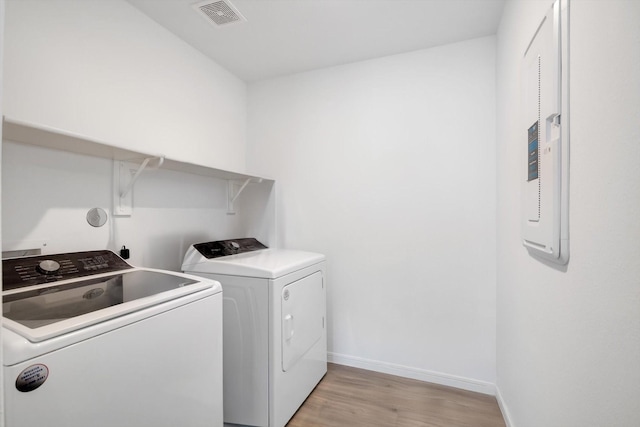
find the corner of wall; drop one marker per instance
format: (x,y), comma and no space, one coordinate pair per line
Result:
(503,408)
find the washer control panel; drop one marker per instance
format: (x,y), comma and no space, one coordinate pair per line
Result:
(37,270)
(222,248)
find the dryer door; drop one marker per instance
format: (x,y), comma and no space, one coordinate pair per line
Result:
(303,308)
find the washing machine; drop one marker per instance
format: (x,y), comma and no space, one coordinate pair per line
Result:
(275,341)
(89,340)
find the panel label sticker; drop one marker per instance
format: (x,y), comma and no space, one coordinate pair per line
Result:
(532,149)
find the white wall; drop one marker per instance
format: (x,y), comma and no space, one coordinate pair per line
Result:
(46,195)
(387,166)
(101,68)
(569,338)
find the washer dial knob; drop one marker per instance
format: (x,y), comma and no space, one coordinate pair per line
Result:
(48,266)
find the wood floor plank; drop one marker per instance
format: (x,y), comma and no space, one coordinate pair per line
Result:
(355,397)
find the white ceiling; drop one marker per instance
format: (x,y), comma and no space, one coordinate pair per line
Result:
(288,36)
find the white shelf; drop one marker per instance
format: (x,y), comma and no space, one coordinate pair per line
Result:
(43,136)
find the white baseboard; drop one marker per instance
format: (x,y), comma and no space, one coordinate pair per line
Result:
(414,373)
(503,408)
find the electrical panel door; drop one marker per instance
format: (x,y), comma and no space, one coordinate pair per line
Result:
(546,138)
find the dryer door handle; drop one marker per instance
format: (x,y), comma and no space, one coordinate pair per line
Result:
(288,327)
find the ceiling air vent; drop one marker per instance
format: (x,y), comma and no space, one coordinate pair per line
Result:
(219,12)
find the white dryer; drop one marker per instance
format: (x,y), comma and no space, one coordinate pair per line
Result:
(275,341)
(89,340)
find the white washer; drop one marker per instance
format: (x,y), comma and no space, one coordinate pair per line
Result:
(275,341)
(89,340)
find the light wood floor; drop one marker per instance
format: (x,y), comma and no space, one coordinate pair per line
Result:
(354,397)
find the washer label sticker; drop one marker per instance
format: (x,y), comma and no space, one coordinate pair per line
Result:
(32,378)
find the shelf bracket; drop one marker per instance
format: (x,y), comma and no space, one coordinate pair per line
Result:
(125,175)
(232,194)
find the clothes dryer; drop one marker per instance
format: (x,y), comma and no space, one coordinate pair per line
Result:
(89,340)
(275,341)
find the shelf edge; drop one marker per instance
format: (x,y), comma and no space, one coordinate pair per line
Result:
(53,138)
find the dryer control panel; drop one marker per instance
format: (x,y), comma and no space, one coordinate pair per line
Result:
(41,269)
(222,248)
